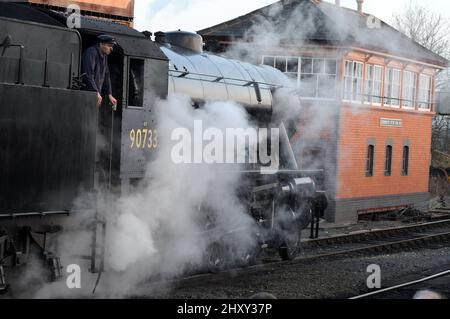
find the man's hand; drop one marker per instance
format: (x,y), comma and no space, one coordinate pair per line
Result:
(99,99)
(113,101)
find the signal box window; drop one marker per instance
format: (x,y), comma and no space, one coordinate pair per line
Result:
(388,161)
(136,83)
(353,81)
(425,88)
(392,87)
(405,166)
(370,160)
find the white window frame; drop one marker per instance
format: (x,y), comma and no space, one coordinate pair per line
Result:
(325,74)
(317,77)
(312,74)
(268,56)
(409,92)
(295,75)
(356,81)
(371,93)
(286,58)
(425,92)
(391,85)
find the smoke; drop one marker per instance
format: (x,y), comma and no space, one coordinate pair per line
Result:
(311,112)
(165,212)
(291,29)
(162,228)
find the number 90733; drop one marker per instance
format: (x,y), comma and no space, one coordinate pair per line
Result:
(144,138)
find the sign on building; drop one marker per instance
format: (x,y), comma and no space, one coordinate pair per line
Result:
(390,122)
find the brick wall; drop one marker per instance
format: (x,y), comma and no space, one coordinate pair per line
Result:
(361,124)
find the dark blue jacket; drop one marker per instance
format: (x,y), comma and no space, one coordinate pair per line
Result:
(94,64)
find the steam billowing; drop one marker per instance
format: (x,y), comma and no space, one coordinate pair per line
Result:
(281,30)
(158,230)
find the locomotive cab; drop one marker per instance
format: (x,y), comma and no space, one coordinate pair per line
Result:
(138,72)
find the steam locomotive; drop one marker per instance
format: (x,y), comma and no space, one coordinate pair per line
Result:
(49,127)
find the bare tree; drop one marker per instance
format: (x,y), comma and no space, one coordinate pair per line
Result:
(429,29)
(441,134)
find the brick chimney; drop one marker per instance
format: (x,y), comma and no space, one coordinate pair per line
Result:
(360,5)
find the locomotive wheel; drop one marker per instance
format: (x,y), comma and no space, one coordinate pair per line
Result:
(249,257)
(291,238)
(290,247)
(216,257)
(292,234)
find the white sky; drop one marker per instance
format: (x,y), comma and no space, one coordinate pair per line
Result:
(193,15)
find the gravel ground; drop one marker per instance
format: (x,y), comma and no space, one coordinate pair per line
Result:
(330,278)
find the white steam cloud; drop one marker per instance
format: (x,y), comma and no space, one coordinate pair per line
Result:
(158,229)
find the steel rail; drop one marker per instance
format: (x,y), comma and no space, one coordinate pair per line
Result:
(407,284)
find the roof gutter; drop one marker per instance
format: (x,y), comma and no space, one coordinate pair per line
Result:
(436,66)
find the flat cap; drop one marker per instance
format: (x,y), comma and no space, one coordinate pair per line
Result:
(105,38)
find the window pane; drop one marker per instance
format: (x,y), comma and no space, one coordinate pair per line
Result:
(358,70)
(378,72)
(409,89)
(136,83)
(348,88)
(425,92)
(292,75)
(308,85)
(369,83)
(292,65)
(348,68)
(327,86)
(406,89)
(405,168)
(414,90)
(358,81)
(330,66)
(396,87)
(318,66)
(268,60)
(388,163)
(306,65)
(353,85)
(370,160)
(280,64)
(388,86)
(377,82)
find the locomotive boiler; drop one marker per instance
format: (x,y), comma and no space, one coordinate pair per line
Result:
(49,127)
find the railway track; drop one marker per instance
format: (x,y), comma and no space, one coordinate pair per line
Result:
(379,241)
(423,235)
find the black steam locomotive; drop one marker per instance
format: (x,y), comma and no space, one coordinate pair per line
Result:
(49,126)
